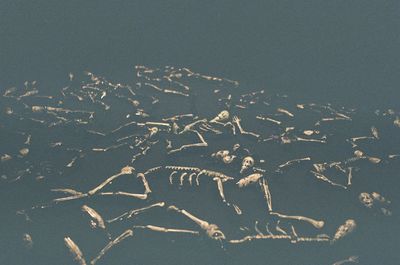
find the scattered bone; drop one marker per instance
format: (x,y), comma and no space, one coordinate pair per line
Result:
(221,189)
(349,176)
(221,117)
(211,230)
(374,132)
(124,171)
(316,223)
(291,162)
(111,244)
(379,198)
(75,251)
(310,132)
(344,229)
(5,158)
(237,120)
(257,237)
(396,122)
(97,220)
(166,230)
(213,174)
(24,151)
(300,139)
(324,178)
(70,164)
(135,212)
(375,200)
(269,119)
(28,140)
(237,209)
(374,160)
(108,148)
(27,241)
(167,91)
(181,178)
(351,259)
(145,183)
(281,110)
(267,194)
(253,178)
(202,143)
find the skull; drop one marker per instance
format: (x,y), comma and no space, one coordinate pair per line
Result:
(366,199)
(221,117)
(358,153)
(247,163)
(153,131)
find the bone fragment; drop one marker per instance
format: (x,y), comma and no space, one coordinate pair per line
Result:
(316,223)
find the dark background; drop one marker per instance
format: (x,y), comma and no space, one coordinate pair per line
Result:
(338,50)
(345,52)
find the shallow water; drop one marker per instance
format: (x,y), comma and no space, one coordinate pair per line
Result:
(338,54)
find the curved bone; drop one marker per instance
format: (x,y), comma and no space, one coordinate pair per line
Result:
(191,178)
(221,189)
(315,223)
(182,178)
(74,250)
(171,176)
(145,183)
(98,220)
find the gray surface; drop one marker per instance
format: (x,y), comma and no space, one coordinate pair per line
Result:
(345,52)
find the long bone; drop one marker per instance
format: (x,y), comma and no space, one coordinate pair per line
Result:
(96,219)
(111,244)
(352,259)
(268,119)
(131,213)
(124,171)
(316,223)
(74,195)
(291,162)
(145,183)
(221,190)
(211,230)
(284,111)
(267,194)
(167,91)
(202,143)
(324,178)
(236,120)
(75,251)
(166,230)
